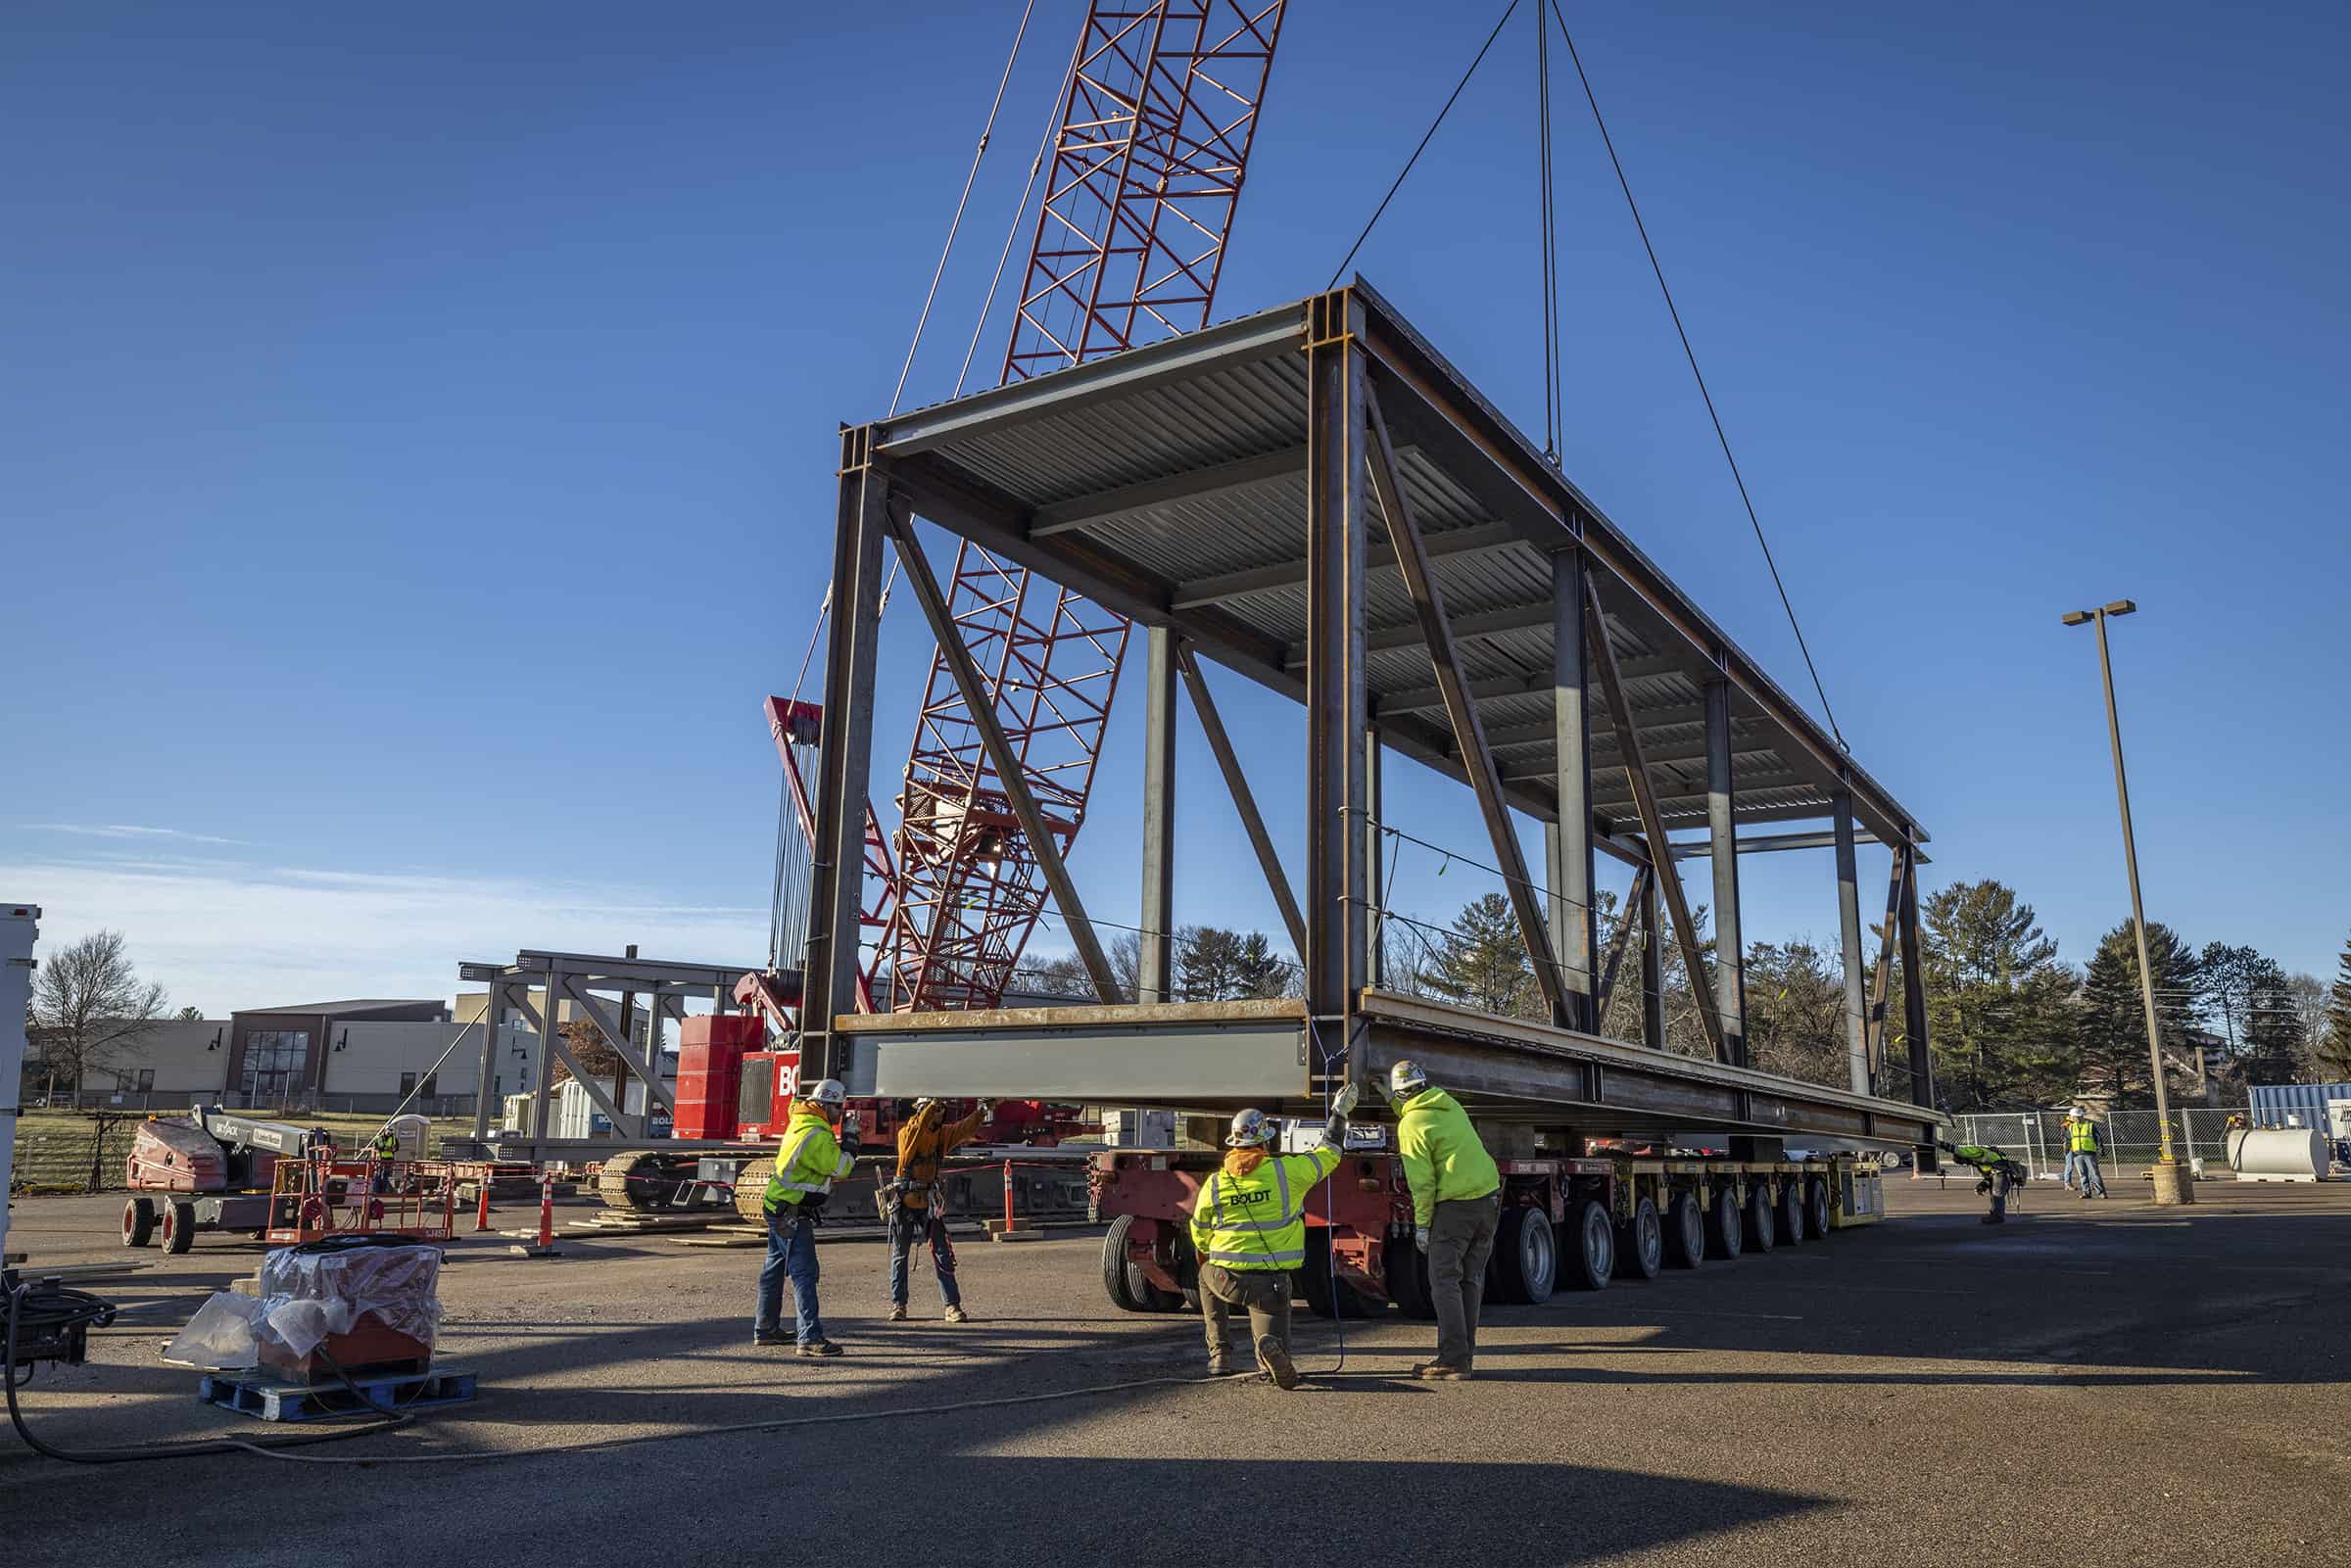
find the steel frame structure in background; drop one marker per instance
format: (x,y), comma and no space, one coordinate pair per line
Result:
(1145,174)
(1342,371)
(580,979)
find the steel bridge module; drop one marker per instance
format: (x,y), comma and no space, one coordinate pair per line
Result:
(1312,498)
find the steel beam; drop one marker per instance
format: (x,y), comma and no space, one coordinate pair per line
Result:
(492,1005)
(1722,834)
(1429,699)
(1337,893)
(617,1037)
(1198,484)
(844,754)
(1849,927)
(1627,917)
(1567,840)
(1653,827)
(1467,730)
(1375,957)
(1236,783)
(1011,777)
(1464,628)
(1155,979)
(1883,981)
(1195,592)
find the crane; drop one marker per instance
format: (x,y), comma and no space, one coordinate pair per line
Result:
(1145,172)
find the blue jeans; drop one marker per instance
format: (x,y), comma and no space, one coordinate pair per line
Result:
(905,1227)
(2091,1175)
(2073,1166)
(790,1249)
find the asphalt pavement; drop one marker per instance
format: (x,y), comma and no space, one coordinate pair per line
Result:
(2103,1383)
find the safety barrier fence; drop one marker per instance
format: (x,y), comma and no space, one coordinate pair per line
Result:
(2128,1141)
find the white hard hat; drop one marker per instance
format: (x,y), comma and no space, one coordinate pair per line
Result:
(1406,1077)
(1251,1128)
(830,1093)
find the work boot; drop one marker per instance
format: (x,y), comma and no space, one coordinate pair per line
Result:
(956,1315)
(898,1311)
(1220,1366)
(1439,1372)
(769,1336)
(1276,1361)
(820,1348)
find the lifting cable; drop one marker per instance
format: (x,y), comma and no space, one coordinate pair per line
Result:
(1691,354)
(1507,11)
(977,153)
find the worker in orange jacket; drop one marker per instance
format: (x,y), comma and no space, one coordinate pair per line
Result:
(915,1201)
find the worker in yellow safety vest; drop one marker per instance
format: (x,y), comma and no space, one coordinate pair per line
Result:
(820,1144)
(1249,1232)
(1457,1209)
(2082,1153)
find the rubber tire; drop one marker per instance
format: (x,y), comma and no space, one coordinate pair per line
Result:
(1117,1283)
(1789,1212)
(180,1227)
(1406,1268)
(1816,1208)
(1759,1211)
(138,1222)
(1527,1250)
(1685,1232)
(1725,1238)
(1324,1294)
(1641,1243)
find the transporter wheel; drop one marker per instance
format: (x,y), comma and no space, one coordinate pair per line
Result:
(1326,1295)
(1592,1255)
(1760,1223)
(1724,1238)
(1685,1232)
(1527,1258)
(1641,1243)
(180,1227)
(1115,1283)
(1406,1268)
(138,1222)
(1790,1213)
(1816,1208)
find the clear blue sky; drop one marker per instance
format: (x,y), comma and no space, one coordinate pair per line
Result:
(416,432)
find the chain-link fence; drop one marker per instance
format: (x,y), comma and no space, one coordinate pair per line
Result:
(2126,1138)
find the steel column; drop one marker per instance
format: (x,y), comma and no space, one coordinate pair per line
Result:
(1849,927)
(1336,715)
(845,757)
(1155,975)
(1882,982)
(1236,783)
(1376,936)
(1722,834)
(1653,827)
(1011,777)
(550,1042)
(1915,999)
(1567,842)
(1468,730)
(1653,964)
(482,1091)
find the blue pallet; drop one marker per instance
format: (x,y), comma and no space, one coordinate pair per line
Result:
(275,1399)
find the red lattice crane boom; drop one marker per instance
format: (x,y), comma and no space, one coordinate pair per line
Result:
(1145,177)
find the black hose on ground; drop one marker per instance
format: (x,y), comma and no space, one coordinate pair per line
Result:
(54,1309)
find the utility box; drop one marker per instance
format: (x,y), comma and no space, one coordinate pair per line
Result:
(710,1052)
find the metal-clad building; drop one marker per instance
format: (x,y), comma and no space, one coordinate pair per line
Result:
(2273,1102)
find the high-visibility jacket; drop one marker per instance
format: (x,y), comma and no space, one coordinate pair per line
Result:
(2082,1137)
(810,1160)
(1252,1213)
(1443,1159)
(922,1144)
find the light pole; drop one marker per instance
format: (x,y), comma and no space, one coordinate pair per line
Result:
(2172,1185)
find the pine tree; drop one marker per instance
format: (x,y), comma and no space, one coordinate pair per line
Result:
(1482,963)
(1795,1012)
(1998,1004)
(2334,1047)
(2112,1014)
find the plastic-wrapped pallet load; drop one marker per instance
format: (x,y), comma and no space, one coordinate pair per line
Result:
(350,1302)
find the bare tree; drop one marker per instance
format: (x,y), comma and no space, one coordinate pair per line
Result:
(89,1004)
